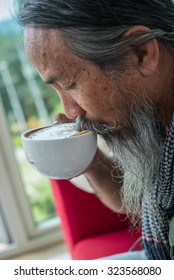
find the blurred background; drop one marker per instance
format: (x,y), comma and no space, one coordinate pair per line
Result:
(27,215)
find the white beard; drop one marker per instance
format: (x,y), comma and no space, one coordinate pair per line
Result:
(136,151)
(138,158)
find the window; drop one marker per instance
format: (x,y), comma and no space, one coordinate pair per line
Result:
(27,215)
(5,236)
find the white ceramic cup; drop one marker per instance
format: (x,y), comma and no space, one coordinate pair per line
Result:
(61,158)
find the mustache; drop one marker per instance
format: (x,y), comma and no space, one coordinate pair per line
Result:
(108,132)
(100,128)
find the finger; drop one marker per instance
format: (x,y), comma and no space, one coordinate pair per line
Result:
(61,118)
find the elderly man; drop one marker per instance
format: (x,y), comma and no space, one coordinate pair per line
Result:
(111,62)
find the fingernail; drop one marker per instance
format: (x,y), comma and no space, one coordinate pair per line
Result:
(54,122)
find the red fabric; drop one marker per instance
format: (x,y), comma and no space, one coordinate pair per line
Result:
(85,218)
(105,245)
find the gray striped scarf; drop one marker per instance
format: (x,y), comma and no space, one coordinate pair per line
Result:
(155,234)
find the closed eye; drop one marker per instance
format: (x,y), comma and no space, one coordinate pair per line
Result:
(71,86)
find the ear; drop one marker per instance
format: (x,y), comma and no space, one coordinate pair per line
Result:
(147,54)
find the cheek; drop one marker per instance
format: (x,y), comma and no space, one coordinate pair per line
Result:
(94,99)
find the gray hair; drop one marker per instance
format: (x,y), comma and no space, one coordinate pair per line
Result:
(92,30)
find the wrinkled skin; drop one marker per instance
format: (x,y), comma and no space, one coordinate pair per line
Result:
(111,99)
(85,90)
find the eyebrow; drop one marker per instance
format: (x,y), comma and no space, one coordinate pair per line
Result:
(52,80)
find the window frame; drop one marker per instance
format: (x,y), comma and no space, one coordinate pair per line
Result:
(25,234)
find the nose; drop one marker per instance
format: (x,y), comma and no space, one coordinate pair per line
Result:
(71,108)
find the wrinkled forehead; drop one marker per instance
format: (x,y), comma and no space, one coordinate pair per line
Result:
(36,36)
(48,54)
(41,43)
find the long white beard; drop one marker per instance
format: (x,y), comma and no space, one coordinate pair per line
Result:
(138,158)
(136,151)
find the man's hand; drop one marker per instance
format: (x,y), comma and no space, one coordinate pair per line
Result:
(61,118)
(99,175)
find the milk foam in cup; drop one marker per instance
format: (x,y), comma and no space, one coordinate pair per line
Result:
(54,132)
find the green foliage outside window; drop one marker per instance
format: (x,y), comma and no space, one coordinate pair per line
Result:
(37,190)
